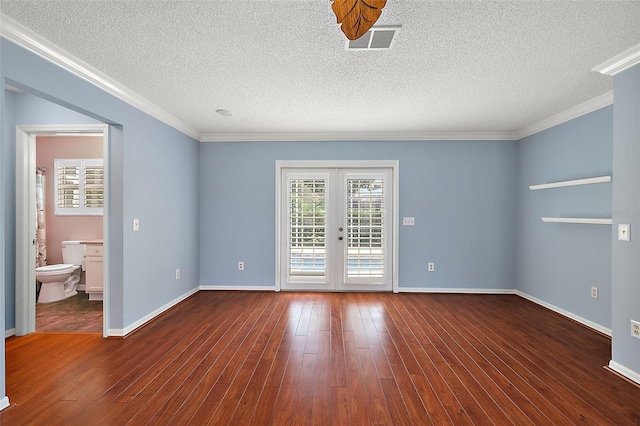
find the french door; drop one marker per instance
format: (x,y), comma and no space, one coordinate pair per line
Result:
(336,229)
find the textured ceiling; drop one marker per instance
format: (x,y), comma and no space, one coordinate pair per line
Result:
(280,66)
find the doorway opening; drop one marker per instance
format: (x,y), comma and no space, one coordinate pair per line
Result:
(27,226)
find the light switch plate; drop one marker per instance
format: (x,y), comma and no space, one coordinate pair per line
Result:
(408,221)
(624,232)
(136,224)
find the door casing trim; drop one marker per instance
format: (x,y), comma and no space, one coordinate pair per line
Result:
(25,297)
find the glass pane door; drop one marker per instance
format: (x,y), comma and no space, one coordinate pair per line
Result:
(306,251)
(365,228)
(365,201)
(335,229)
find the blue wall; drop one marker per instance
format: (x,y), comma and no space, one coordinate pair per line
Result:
(148,161)
(461,193)
(559,263)
(626,204)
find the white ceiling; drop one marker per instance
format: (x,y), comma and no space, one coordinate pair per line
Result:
(280,66)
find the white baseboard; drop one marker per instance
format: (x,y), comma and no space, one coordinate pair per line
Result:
(621,369)
(583,321)
(115,332)
(10,332)
(128,329)
(457,290)
(4,403)
(244,288)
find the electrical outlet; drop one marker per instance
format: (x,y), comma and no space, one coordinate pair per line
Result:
(431,266)
(594,292)
(408,221)
(240,266)
(177,274)
(635,329)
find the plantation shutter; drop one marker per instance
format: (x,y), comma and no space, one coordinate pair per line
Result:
(68,185)
(307,239)
(93,184)
(79,187)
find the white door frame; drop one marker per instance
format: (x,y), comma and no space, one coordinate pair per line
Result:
(26,219)
(394,165)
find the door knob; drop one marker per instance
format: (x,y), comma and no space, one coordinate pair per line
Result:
(340,229)
(340,238)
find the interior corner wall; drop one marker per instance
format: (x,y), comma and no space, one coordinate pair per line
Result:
(461,193)
(558,263)
(626,209)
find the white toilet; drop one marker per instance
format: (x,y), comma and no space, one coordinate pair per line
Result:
(60,281)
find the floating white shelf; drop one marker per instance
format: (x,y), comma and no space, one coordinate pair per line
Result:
(587,220)
(587,181)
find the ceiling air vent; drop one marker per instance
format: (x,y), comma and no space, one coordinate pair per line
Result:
(377,38)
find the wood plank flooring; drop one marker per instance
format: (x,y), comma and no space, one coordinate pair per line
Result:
(73,314)
(266,358)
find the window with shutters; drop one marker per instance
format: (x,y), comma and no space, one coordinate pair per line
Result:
(79,187)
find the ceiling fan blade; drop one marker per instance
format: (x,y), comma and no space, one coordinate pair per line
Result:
(357,16)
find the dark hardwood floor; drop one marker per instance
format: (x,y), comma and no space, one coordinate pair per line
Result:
(325,358)
(74,314)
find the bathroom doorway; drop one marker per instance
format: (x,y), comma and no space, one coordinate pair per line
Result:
(75,312)
(69,204)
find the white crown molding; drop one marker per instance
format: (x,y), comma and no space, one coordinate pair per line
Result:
(24,37)
(355,136)
(575,112)
(621,62)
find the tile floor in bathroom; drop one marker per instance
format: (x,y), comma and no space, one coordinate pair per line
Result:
(74,314)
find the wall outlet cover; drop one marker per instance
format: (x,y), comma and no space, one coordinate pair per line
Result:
(408,221)
(635,329)
(624,232)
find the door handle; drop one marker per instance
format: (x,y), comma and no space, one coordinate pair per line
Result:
(340,238)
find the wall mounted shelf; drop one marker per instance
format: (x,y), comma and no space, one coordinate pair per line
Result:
(587,181)
(586,220)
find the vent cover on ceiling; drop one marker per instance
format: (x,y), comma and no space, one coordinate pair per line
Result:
(377,38)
